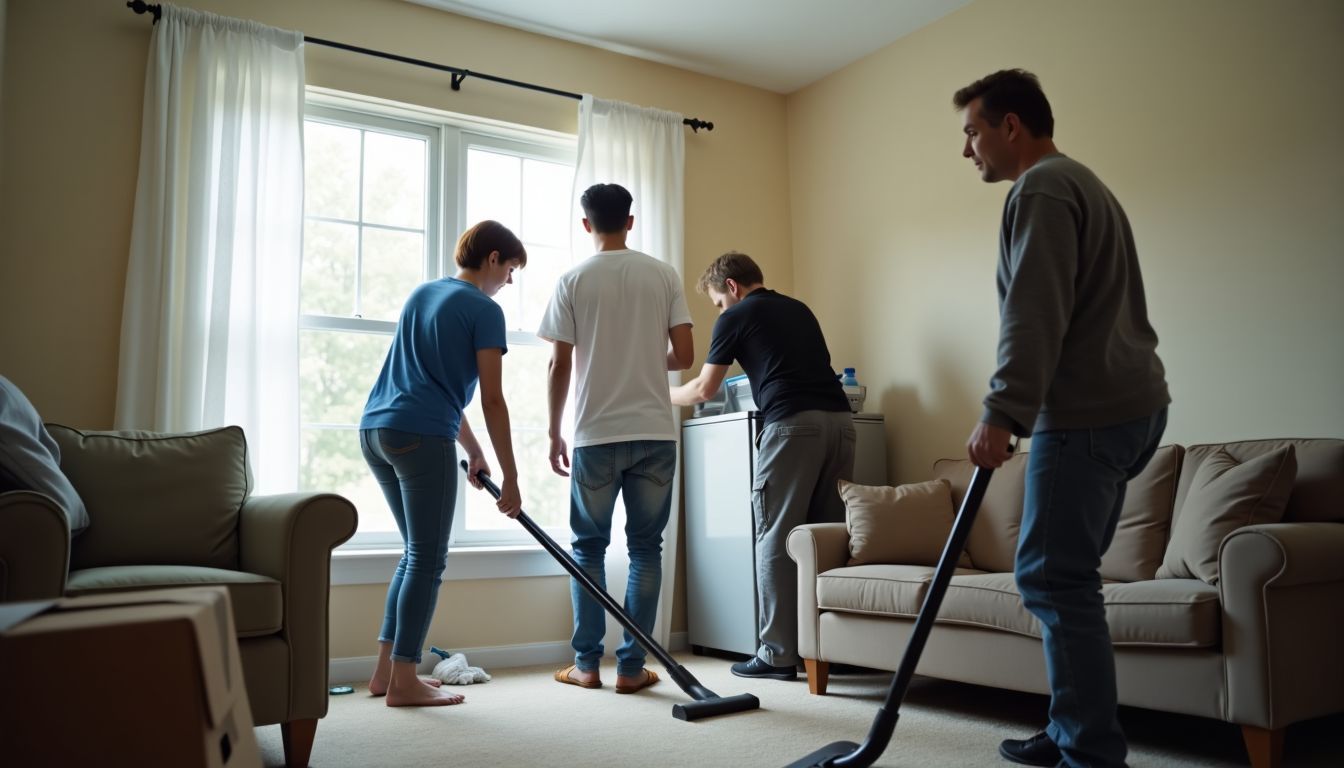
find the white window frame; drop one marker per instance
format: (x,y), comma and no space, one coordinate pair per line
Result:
(496,553)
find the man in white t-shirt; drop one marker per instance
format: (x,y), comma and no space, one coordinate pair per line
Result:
(621,315)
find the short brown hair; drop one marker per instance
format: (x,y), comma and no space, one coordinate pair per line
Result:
(476,244)
(1010,90)
(733,265)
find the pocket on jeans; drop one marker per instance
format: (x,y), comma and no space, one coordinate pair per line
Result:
(1118,447)
(657,463)
(397,443)
(594,466)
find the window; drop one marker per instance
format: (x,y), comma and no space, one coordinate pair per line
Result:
(388,190)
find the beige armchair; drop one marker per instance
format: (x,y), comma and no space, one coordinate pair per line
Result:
(176,510)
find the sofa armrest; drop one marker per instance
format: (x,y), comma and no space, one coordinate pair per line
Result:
(816,548)
(34,547)
(289,537)
(1282,593)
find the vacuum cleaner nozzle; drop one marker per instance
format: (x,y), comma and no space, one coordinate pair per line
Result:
(825,756)
(694,710)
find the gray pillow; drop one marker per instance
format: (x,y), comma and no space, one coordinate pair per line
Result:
(30,457)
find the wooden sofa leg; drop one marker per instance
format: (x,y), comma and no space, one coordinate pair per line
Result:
(817,674)
(1264,745)
(297,736)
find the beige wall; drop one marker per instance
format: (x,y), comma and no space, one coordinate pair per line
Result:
(1215,123)
(74,74)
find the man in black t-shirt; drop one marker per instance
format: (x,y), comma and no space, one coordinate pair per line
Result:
(804,447)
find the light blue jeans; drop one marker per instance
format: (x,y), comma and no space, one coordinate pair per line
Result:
(418,477)
(641,471)
(1075,488)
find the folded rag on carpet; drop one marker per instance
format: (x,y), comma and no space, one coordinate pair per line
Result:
(453,670)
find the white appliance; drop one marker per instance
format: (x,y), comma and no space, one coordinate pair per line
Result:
(718,462)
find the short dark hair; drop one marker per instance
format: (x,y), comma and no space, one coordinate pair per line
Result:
(476,244)
(1010,90)
(607,207)
(733,265)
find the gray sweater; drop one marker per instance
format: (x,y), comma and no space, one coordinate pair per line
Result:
(1075,347)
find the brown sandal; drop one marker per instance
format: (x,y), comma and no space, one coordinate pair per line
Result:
(650,677)
(562,676)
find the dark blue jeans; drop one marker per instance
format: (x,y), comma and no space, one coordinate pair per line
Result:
(1075,487)
(418,477)
(641,471)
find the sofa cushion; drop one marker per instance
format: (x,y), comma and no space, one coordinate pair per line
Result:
(905,525)
(886,590)
(1320,474)
(258,603)
(1226,494)
(1183,613)
(1145,520)
(993,541)
(157,499)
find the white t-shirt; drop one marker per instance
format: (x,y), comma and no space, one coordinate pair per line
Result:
(616,309)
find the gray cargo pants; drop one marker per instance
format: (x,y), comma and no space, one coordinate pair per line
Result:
(799,459)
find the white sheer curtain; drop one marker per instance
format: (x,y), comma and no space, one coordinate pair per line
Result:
(209,332)
(644,151)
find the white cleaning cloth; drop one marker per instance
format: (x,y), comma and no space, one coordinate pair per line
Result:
(454,671)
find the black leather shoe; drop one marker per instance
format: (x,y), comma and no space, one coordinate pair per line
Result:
(1037,750)
(757,668)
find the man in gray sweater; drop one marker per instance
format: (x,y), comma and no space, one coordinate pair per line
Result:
(1078,372)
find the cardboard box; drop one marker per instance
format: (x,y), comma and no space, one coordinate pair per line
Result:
(148,678)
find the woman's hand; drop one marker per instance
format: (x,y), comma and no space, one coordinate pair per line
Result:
(476,463)
(510,499)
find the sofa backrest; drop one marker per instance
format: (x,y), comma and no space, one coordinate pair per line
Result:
(1140,537)
(1318,492)
(156,499)
(993,541)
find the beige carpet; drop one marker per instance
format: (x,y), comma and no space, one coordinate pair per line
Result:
(522,718)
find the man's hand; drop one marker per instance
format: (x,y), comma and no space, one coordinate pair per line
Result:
(559,457)
(476,463)
(510,499)
(988,446)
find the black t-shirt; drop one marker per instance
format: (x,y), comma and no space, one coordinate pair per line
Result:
(778,342)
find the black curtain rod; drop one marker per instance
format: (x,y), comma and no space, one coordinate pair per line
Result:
(458,74)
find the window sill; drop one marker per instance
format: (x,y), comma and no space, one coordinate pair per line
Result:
(376,565)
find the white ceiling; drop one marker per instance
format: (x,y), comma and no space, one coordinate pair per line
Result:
(780,45)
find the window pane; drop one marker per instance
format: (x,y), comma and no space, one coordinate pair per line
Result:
(394,180)
(494,188)
(331,462)
(393,265)
(331,170)
(329,268)
(545,494)
(547,219)
(534,284)
(336,371)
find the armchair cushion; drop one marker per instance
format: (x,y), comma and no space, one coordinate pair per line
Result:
(158,499)
(258,607)
(1224,495)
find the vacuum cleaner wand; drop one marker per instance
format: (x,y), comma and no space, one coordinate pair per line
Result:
(847,753)
(707,703)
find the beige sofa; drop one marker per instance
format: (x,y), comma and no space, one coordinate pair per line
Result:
(1262,647)
(176,510)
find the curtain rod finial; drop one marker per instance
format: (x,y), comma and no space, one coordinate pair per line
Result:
(139,6)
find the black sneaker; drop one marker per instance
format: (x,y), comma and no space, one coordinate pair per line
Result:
(757,668)
(1037,750)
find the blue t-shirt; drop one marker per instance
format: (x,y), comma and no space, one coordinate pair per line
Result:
(430,372)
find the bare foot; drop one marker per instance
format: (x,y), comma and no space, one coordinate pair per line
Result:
(378,685)
(572,675)
(422,694)
(634,683)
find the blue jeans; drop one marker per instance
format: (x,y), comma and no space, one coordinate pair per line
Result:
(641,471)
(418,477)
(1075,488)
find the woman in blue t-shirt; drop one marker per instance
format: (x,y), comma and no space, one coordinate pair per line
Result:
(449,337)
